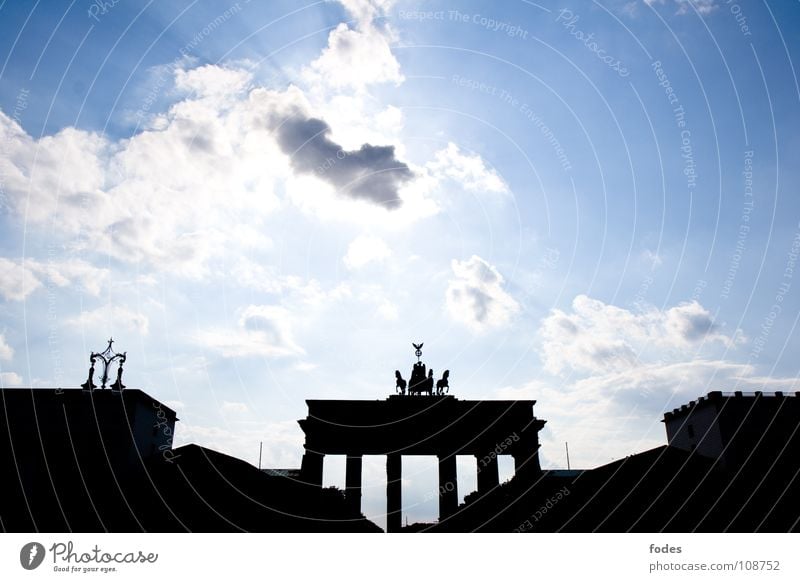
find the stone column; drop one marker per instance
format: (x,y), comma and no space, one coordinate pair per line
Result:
(488,472)
(448,487)
(394,492)
(352,482)
(311,468)
(526,463)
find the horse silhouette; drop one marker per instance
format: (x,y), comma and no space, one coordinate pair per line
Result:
(401,383)
(443,385)
(427,384)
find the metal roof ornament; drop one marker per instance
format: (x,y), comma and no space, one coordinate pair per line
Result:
(107,357)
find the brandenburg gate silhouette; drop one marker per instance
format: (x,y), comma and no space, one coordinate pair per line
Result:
(416,424)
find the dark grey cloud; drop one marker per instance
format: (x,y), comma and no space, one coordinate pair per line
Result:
(370,173)
(697,325)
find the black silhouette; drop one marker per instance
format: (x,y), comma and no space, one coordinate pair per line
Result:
(401,383)
(443,385)
(118,385)
(420,382)
(88,460)
(89,384)
(416,383)
(107,356)
(444,427)
(427,386)
(96,461)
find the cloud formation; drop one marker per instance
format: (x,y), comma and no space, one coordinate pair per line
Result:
(475,296)
(600,338)
(165,197)
(233,408)
(10,379)
(262,330)
(16,282)
(371,173)
(112,317)
(169,196)
(703,7)
(365,249)
(6,351)
(357,57)
(469,171)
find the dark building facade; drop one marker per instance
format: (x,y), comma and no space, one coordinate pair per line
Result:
(70,457)
(738,429)
(53,425)
(77,460)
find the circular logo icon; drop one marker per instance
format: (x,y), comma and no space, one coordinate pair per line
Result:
(31,555)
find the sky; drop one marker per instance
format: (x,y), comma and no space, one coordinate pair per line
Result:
(589,204)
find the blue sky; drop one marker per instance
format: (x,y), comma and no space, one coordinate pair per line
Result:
(588,204)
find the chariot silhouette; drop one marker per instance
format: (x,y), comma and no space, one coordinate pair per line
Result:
(421,380)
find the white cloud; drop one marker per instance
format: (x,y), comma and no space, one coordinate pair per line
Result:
(10,379)
(204,181)
(703,7)
(371,295)
(262,330)
(72,271)
(365,249)
(260,277)
(165,197)
(6,351)
(365,11)
(201,181)
(357,57)
(388,310)
(609,415)
(305,366)
(356,120)
(599,338)
(112,317)
(265,278)
(233,408)
(469,171)
(16,282)
(320,199)
(476,298)
(213,82)
(63,170)
(626,369)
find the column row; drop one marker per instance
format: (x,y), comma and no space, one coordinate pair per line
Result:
(488,479)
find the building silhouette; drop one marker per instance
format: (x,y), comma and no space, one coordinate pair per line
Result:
(732,464)
(420,425)
(104,460)
(738,429)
